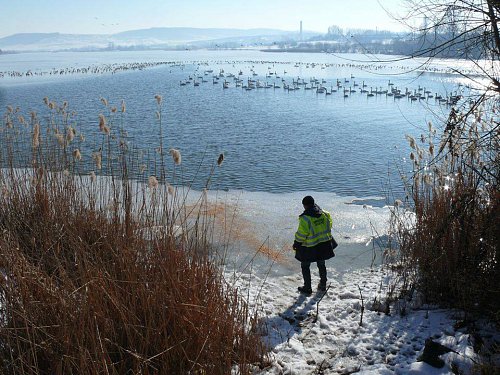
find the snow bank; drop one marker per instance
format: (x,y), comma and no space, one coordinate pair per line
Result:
(334,341)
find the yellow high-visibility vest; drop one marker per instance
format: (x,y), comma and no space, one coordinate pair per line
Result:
(314,230)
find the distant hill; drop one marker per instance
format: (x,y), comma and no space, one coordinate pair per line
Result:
(51,42)
(154,37)
(27,38)
(195,34)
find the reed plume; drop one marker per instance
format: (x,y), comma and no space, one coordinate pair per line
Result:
(77,155)
(420,154)
(176,155)
(70,134)
(103,127)
(60,139)
(411,141)
(102,122)
(36,135)
(220,160)
(158,99)
(97,156)
(152,182)
(431,149)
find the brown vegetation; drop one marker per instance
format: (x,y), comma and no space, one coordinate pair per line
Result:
(448,230)
(86,285)
(449,242)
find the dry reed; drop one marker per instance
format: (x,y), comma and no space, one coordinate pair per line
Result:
(448,232)
(87,287)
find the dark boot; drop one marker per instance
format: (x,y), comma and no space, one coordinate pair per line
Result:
(304,290)
(306,275)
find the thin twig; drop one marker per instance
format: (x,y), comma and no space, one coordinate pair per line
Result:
(362,306)
(317,304)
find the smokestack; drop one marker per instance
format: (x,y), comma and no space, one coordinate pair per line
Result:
(301,31)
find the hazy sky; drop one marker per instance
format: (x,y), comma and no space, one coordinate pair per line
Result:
(111,16)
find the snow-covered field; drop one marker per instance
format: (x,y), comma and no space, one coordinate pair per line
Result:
(310,335)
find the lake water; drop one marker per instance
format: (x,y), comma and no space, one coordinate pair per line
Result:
(278,144)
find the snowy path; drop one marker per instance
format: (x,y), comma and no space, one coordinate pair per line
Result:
(335,343)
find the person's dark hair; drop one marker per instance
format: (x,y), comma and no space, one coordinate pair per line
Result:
(308,201)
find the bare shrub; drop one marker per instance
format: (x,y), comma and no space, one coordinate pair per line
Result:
(449,234)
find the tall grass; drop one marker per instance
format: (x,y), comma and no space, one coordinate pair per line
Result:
(448,230)
(102,273)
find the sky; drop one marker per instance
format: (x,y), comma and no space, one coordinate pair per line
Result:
(112,16)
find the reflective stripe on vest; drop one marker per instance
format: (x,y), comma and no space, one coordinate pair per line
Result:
(317,233)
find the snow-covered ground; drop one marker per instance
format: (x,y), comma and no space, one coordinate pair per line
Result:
(310,335)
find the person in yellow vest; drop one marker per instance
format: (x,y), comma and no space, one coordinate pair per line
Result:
(313,243)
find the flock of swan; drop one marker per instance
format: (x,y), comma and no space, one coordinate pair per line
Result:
(347,86)
(87,70)
(271,79)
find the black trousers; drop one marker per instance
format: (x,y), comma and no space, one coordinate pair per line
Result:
(306,272)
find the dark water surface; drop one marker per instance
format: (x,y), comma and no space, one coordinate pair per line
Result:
(274,140)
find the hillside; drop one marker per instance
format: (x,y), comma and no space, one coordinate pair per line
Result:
(164,37)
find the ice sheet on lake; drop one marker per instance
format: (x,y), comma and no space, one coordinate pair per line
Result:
(276,215)
(265,223)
